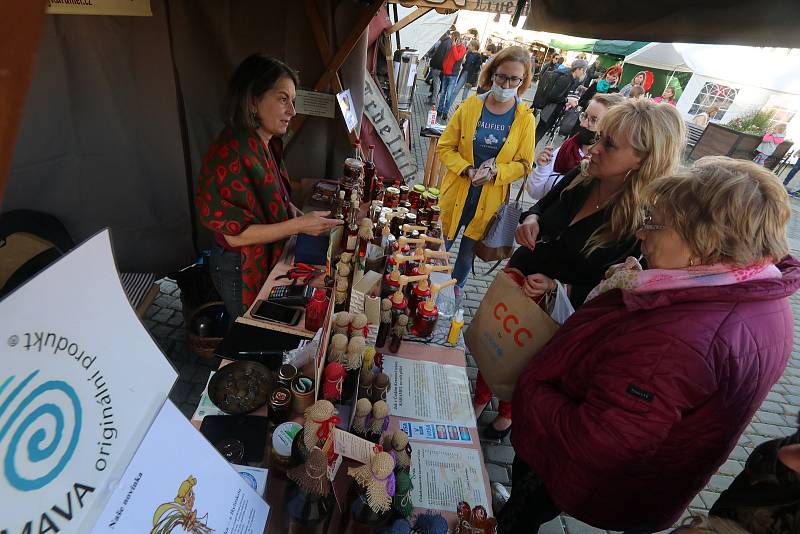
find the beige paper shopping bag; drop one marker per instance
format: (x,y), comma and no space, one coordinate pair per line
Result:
(506,332)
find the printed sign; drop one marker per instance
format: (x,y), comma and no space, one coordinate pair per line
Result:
(134,8)
(80,384)
(316,104)
(436,432)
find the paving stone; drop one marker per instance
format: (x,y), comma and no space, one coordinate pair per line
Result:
(176,319)
(772,407)
(720,482)
(163,315)
(709,498)
(731,467)
(161,331)
(499,454)
(771,418)
(163,300)
(552,527)
(498,473)
(772,431)
(776,397)
(573,526)
(739,453)
(698,503)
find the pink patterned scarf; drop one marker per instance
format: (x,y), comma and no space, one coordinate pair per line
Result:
(631,277)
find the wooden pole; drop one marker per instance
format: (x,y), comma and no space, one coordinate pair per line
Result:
(20,29)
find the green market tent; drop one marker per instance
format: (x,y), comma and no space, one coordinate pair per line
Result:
(598,47)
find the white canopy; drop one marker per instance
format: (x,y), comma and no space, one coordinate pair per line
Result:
(423,33)
(767,68)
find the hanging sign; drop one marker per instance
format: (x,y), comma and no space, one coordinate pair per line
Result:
(377,110)
(132,8)
(315,104)
(505,7)
(348,109)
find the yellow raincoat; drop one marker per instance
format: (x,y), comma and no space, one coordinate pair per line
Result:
(455,151)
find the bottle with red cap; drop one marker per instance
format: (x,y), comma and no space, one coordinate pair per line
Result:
(316,309)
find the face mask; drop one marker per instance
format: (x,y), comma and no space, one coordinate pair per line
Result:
(585,136)
(503,95)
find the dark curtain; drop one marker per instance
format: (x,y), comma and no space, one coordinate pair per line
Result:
(100,143)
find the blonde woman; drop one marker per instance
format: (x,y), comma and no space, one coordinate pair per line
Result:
(588,220)
(496,130)
(627,412)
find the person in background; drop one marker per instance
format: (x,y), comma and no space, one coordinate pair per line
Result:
(667,97)
(556,97)
(627,412)
(437,60)
(643,79)
(243,193)
(701,119)
(451,66)
(769,143)
(606,84)
(587,222)
(792,172)
(553,64)
(765,497)
(592,73)
(552,164)
(636,92)
(494,127)
(469,72)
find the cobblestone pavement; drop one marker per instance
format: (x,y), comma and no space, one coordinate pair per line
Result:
(776,418)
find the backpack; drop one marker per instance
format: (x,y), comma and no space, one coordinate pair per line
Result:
(545,88)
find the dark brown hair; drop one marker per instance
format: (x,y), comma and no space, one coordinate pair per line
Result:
(254,76)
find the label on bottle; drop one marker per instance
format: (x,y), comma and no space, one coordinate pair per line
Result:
(351,242)
(432,117)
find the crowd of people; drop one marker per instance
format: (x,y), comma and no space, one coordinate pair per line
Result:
(680,278)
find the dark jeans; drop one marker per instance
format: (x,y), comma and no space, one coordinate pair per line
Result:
(530,506)
(466,251)
(792,172)
(226,273)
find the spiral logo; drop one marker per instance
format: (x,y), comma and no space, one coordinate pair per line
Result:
(42,430)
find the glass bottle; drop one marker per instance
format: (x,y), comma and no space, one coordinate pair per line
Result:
(338,207)
(398,331)
(369,175)
(351,234)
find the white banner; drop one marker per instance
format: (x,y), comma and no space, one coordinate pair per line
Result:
(379,113)
(133,8)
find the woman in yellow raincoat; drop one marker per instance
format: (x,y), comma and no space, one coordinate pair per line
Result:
(496,130)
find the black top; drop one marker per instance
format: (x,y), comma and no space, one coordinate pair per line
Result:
(589,93)
(559,250)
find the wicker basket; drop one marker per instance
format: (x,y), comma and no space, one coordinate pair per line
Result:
(202,346)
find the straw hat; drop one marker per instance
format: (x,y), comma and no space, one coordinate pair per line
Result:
(320,418)
(377,478)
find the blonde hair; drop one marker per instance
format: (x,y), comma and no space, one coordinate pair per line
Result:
(727,210)
(704,524)
(512,53)
(608,99)
(657,134)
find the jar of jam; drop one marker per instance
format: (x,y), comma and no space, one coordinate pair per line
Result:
(435,212)
(286,374)
(404,192)
(425,319)
(280,402)
(430,200)
(415,196)
(391,199)
(423,216)
(351,176)
(410,219)
(419,293)
(282,439)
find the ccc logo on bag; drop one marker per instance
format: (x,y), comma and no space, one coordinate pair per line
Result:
(510,322)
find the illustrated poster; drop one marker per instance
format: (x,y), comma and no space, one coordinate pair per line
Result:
(443,476)
(178,482)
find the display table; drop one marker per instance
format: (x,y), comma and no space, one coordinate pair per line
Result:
(409,351)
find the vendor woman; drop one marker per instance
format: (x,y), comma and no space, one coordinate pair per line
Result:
(243,192)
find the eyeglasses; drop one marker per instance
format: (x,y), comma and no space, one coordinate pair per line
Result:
(647,221)
(592,121)
(502,79)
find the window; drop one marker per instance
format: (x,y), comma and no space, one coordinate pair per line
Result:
(783,108)
(715,94)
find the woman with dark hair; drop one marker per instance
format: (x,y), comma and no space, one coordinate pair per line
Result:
(243,192)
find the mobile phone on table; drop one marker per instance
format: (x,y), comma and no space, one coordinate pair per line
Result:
(291,295)
(278,313)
